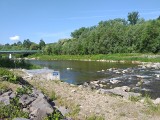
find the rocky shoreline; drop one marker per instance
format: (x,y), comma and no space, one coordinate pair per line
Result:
(79,102)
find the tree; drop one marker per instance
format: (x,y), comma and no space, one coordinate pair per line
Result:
(158,18)
(19,43)
(27,43)
(133,17)
(48,50)
(34,47)
(41,44)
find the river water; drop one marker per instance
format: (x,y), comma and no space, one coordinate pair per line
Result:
(77,72)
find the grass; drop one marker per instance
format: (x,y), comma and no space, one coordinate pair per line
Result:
(135,98)
(152,108)
(116,57)
(95,117)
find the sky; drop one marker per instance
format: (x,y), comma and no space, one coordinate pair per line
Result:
(52,20)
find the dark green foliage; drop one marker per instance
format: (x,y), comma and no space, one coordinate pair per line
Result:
(41,44)
(134,35)
(133,17)
(23,90)
(56,115)
(9,63)
(9,76)
(112,36)
(13,110)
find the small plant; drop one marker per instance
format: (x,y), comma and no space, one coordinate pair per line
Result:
(134,98)
(53,96)
(56,115)
(23,90)
(9,76)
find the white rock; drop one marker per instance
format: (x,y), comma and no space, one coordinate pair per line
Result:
(156,101)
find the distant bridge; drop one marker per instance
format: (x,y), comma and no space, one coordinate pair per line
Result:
(19,51)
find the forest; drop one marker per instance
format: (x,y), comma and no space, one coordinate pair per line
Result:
(134,35)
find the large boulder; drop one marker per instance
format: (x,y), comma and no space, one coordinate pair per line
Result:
(40,108)
(26,99)
(5,97)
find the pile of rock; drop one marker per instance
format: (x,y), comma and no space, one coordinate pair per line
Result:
(35,103)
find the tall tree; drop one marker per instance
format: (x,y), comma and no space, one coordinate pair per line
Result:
(41,44)
(133,17)
(27,43)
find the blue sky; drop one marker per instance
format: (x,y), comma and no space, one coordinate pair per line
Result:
(52,20)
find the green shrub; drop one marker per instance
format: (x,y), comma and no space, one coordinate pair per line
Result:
(13,110)
(134,98)
(9,76)
(56,115)
(23,90)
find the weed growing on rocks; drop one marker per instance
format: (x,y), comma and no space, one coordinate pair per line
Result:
(13,110)
(56,115)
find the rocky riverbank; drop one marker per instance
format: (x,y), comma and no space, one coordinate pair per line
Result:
(83,101)
(28,103)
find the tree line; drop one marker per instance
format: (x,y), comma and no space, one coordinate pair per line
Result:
(25,45)
(134,35)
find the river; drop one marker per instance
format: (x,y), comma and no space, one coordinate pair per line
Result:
(77,72)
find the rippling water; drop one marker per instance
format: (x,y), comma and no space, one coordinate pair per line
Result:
(78,72)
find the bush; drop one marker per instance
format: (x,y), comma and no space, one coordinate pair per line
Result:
(13,110)
(23,90)
(56,115)
(9,76)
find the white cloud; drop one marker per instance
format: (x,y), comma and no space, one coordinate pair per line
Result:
(14,38)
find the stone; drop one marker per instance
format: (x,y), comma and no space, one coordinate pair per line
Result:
(119,92)
(42,104)
(20,119)
(73,91)
(156,101)
(5,97)
(26,99)
(5,100)
(38,114)
(114,81)
(63,110)
(37,93)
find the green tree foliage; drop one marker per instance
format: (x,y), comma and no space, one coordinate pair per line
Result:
(111,36)
(41,44)
(133,17)
(27,43)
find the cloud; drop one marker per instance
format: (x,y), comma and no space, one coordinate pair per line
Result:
(14,38)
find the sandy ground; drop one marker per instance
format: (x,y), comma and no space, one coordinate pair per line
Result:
(90,102)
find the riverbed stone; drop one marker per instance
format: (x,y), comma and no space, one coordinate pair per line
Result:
(119,92)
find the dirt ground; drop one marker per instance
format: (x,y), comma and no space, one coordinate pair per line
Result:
(85,102)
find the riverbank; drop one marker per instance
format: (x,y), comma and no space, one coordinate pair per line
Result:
(85,103)
(127,57)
